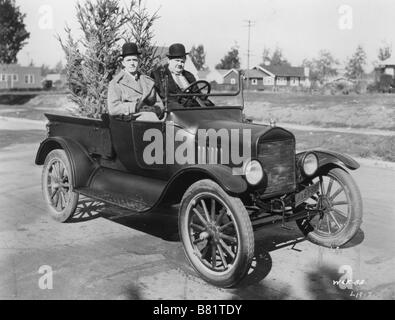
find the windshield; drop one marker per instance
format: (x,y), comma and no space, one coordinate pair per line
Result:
(202,94)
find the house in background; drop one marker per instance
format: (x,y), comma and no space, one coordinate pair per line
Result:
(255,79)
(221,79)
(387,67)
(258,78)
(203,75)
(220,76)
(384,75)
(279,76)
(231,77)
(14,76)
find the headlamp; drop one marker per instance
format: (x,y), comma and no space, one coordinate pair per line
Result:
(310,164)
(253,172)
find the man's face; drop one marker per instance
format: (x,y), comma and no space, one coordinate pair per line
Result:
(131,63)
(177,65)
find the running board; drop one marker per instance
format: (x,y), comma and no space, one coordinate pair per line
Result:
(133,204)
(125,190)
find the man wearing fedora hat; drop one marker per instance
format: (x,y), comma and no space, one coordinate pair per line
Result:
(131,92)
(178,78)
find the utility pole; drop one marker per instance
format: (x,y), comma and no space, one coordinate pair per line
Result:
(249,25)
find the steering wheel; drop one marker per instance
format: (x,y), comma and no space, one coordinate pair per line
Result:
(196,88)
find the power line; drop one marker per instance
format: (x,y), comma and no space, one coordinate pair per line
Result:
(249,25)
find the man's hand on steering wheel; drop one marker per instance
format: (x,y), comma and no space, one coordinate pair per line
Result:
(194,88)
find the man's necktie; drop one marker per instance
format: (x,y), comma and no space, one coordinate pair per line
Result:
(181,81)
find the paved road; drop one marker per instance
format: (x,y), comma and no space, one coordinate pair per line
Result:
(106,254)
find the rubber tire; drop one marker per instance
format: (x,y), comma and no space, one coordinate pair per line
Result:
(68,211)
(355,220)
(243,222)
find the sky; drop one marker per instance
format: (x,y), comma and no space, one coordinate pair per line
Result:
(301,28)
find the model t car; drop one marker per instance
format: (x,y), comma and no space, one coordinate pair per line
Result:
(136,165)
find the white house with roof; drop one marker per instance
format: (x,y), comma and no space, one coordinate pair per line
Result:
(15,76)
(220,76)
(278,76)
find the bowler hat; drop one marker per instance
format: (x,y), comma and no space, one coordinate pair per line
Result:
(177,50)
(130,49)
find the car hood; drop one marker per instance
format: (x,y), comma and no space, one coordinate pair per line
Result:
(258,131)
(193,121)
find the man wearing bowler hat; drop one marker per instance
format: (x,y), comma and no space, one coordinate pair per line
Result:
(178,78)
(131,92)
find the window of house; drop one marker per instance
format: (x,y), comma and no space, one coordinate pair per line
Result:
(254,82)
(29,78)
(281,81)
(1,77)
(389,71)
(233,81)
(268,81)
(294,81)
(14,77)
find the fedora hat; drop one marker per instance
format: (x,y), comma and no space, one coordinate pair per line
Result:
(130,49)
(177,50)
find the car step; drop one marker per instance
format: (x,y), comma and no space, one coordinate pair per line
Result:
(119,200)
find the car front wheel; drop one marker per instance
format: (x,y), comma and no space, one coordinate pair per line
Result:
(217,234)
(57,185)
(339,204)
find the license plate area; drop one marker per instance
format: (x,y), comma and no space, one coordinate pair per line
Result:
(306,193)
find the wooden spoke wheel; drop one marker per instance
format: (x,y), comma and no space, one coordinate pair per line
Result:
(217,234)
(340,205)
(57,186)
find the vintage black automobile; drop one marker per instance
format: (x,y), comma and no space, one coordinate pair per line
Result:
(220,205)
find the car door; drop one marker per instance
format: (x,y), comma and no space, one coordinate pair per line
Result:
(127,135)
(148,142)
(156,147)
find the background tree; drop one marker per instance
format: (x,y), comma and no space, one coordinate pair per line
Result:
(266,58)
(59,68)
(231,60)
(13,34)
(278,59)
(355,65)
(274,59)
(45,70)
(198,57)
(93,60)
(385,52)
(139,30)
(322,67)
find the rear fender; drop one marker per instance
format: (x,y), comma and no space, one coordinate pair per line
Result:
(82,165)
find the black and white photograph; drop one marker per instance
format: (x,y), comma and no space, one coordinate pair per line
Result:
(214,152)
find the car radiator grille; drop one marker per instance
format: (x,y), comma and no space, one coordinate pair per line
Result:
(210,155)
(278,160)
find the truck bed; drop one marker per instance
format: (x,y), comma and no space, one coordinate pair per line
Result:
(93,134)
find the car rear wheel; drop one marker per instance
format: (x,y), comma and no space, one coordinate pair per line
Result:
(57,186)
(340,205)
(217,234)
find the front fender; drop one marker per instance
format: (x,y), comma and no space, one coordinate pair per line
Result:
(326,157)
(222,175)
(183,179)
(82,166)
